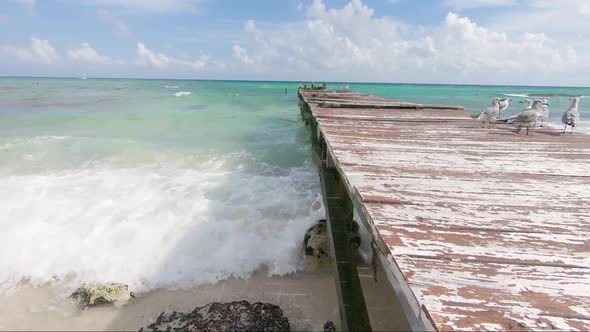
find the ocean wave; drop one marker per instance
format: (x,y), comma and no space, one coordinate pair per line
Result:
(171,86)
(553,95)
(35,140)
(155,226)
(519,95)
(182,93)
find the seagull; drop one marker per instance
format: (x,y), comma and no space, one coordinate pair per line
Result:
(489,113)
(526,117)
(544,108)
(528,104)
(572,115)
(503,103)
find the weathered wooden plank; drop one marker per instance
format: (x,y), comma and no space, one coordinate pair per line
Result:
(488,165)
(345,113)
(373,105)
(488,246)
(428,172)
(498,296)
(428,132)
(480,216)
(499,194)
(348,99)
(355,98)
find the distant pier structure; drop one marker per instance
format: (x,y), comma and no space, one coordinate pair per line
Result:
(476,229)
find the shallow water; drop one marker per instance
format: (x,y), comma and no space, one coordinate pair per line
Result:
(121,180)
(169,183)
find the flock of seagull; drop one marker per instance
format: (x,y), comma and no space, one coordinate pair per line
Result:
(533,111)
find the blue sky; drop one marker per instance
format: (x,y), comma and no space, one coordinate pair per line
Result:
(447,41)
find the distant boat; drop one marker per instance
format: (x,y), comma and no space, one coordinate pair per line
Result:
(83,78)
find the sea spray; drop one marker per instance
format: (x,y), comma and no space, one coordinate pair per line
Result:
(155,225)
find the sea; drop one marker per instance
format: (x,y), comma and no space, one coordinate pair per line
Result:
(173,183)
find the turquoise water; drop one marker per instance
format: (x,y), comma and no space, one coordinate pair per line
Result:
(138,181)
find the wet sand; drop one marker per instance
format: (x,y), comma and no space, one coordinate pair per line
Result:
(308,299)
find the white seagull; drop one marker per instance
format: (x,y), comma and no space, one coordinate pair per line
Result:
(528,104)
(526,117)
(489,113)
(572,115)
(503,104)
(544,110)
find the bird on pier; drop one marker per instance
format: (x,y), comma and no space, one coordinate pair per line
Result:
(571,117)
(526,117)
(528,104)
(503,104)
(544,110)
(489,113)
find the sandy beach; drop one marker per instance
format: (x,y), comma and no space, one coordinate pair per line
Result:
(307,298)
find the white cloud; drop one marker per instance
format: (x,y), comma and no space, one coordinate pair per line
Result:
(119,27)
(467,4)
(148,57)
(242,55)
(543,16)
(39,51)
(351,43)
(151,6)
(468,47)
(89,55)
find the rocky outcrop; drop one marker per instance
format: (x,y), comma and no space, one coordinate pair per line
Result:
(329,327)
(93,295)
(317,243)
(233,316)
(354,235)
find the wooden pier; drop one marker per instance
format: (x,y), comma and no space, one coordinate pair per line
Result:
(479,229)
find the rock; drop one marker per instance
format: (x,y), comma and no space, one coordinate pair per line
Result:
(354,235)
(233,316)
(317,243)
(329,327)
(94,295)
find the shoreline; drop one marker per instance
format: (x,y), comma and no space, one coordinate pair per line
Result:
(308,299)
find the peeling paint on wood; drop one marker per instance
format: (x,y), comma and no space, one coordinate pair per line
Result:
(490,229)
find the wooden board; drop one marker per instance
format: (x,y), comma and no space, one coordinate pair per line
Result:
(489,229)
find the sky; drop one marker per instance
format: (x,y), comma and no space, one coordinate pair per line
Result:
(505,42)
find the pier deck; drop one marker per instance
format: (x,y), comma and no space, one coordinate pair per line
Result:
(477,228)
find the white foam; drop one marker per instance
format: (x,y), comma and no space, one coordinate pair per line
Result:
(171,86)
(520,95)
(154,225)
(182,93)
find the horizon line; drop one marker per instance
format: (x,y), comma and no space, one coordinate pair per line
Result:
(294,82)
